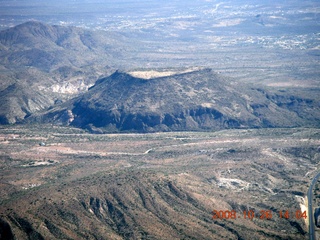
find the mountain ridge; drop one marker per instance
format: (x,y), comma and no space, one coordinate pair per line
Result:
(198,100)
(58,62)
(48,65)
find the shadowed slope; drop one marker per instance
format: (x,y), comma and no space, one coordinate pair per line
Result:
(198,100)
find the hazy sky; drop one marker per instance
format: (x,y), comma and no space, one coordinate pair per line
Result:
(95,12)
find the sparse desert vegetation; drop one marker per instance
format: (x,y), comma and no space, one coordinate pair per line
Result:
(195,119)
(156,185)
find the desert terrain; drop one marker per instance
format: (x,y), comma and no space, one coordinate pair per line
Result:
(59,182)
(158,119)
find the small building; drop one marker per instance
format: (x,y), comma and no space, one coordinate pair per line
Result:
(42,144)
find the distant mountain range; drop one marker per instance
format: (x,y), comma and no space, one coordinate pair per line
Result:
(48,75)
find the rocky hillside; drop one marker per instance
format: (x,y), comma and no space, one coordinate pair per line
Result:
(42,67)
(197,100)
(163,185)
(53,61)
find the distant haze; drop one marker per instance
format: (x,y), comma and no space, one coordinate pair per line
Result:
(98,13)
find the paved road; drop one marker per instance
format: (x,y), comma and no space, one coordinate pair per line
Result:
(312,233)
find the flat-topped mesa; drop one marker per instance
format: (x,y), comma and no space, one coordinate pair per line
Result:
(148,74)
(194,100)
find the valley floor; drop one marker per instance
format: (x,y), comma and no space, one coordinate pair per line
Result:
(233,184)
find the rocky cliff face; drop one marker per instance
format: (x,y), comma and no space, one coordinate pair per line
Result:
(197,100)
